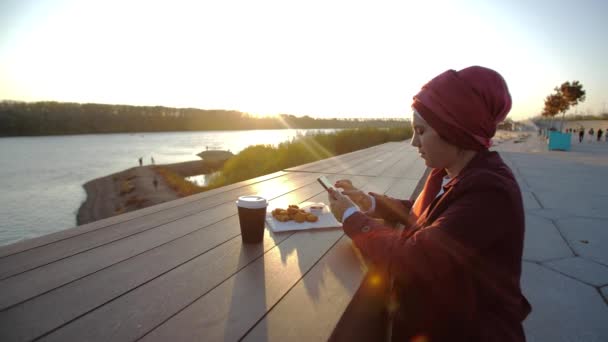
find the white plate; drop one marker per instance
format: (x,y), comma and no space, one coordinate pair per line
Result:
(326,220)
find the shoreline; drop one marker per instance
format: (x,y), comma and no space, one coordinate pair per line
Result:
(134,189)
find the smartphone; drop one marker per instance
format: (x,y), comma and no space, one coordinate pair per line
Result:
(325,183)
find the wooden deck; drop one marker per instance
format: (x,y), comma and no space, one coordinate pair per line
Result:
(178,271)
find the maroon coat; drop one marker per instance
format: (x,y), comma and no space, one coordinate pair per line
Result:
(457,273)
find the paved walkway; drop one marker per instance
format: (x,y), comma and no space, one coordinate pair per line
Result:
(565,269)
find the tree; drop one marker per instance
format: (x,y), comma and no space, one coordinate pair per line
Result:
(573,92)
(554,104)
(565,96)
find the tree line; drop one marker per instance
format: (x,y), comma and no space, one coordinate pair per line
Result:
(59,118)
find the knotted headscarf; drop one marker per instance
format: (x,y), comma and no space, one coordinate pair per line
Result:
(464,107)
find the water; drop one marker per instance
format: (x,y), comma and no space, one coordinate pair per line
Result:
(41,177)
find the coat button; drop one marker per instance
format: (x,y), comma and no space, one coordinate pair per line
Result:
(365,229)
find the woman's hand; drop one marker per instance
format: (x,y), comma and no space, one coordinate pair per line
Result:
(393,209)
(338,204)
(360,198)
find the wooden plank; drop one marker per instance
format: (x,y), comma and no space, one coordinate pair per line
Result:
(341,167)
(228,311)
(396,160)
(138,311)
(37,257)
(319,299)
(407,155)
(418,168)
(371,162)
(402,188)
(312,308)
(252,291)
(403,166)
(44,313)
(382,160)
(331,165)
(24,245)
(29,284)
(325,163)
(376,165)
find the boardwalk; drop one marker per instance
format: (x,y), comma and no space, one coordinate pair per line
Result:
(178,271)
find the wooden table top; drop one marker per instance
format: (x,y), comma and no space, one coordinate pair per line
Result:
(179,271)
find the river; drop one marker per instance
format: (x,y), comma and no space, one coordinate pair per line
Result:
(42,177)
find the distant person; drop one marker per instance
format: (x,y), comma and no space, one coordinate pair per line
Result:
(599,135)
(141,161)
(581,134)
(457,264)
(155,182)
(152,160)
(591,135)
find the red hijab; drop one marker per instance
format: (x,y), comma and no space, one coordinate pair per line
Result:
(464,107)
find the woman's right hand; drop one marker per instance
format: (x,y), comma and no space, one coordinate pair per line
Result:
(360,198)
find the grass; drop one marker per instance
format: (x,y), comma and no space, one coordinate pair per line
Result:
(177,182)
(259,160)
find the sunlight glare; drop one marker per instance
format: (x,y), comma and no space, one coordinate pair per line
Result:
(316,58)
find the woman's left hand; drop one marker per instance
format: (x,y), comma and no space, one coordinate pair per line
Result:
(338,204)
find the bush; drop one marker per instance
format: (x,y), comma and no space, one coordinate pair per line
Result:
(259,160)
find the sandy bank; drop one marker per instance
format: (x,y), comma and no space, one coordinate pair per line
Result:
(133,189)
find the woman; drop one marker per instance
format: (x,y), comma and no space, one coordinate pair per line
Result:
(457,264)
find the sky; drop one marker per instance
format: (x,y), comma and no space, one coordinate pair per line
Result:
(318,58)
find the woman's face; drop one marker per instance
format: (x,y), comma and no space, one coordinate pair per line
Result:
(436,152)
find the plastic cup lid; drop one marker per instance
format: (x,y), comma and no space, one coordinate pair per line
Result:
(252,202)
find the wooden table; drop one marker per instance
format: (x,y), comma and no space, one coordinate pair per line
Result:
(179,271)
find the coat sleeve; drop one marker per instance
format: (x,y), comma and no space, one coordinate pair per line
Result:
(472,222)
(391,209)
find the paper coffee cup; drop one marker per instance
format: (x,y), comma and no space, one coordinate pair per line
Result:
(252,215)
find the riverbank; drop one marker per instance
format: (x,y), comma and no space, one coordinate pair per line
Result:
(122,192)
(135,188)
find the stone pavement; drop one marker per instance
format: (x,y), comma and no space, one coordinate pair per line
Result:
(565,268)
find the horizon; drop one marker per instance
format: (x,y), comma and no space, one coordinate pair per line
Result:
(324,60)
